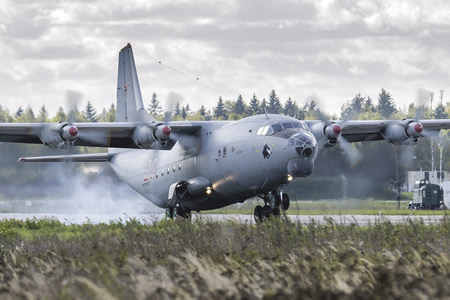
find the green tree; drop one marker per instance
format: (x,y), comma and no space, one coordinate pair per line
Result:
(202,111)
(154,108)
(274,103)
(177,111)
(19,111)
(351,109)
(290,108)
(60,115)
(386,105)
(220,111)
(90,113)
(253,107)
(239,106)
(43,115)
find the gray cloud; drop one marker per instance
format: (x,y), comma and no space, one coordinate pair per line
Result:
(334,48)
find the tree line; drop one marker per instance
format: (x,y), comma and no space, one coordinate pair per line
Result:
(359,107)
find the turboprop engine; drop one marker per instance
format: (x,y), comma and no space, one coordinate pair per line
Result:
(59,136)
(330,133)
(403,133)
(147,137)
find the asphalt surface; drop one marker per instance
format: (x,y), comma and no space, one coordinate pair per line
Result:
(361,220)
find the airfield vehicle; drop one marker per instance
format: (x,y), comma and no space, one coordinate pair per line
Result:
(427,195)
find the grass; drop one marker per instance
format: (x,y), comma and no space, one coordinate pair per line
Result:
(210,260)
(334,207)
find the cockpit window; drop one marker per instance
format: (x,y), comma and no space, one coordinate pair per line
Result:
(277,127)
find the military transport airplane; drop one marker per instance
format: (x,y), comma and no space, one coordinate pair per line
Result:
(201,165)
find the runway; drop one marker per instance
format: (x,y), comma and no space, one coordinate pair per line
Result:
(362,220)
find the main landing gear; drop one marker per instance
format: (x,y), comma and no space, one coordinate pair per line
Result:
(178,212)
(273,203)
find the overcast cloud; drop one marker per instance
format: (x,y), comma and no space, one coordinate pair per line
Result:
(332,48)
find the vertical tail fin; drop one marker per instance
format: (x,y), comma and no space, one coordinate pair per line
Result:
(130,107)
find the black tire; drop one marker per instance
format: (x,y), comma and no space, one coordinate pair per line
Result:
(276,211)
(181,212)
(259,214)
(285,202)
(267,211)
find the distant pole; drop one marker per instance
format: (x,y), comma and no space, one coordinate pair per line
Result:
(441,143)
(432,138)
(398,197)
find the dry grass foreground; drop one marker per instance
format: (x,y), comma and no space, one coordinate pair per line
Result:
(45,259)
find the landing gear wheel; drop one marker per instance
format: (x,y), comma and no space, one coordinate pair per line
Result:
(181,212)
(267,211)
(170,213)
(259,214)
(285,202)
(276,211)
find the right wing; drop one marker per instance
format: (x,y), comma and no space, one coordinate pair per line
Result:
(114,134)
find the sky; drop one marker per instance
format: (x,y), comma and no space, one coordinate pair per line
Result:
(330,49)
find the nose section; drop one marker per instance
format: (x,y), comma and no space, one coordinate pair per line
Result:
(305,145)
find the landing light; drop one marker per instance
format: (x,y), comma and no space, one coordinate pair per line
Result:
(289,177)
(208,190)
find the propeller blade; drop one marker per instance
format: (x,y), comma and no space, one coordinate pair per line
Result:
(353,155)
(73,98)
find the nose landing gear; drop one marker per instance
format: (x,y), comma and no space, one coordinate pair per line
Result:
(273,201)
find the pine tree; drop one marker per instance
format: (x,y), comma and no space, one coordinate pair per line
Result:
(202,111)
(90,112)
(111,114)
(239,107)
(290,108)
(253,107)
(154,108)
(219,111)
(27,116)
(60,115)
(183,113)
(43,115)
(274,103)
(177,111)
(19,111)
(386,105)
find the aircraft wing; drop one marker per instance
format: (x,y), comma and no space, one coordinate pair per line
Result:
(391,130)
(114,134)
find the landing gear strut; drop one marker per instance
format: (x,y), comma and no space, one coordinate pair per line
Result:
(273,202)
(181,212)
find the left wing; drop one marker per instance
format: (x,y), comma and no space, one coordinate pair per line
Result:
(397,132)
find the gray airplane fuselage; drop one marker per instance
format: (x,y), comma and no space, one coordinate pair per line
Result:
(238,158)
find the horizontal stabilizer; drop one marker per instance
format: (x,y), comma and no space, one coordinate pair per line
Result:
(97,157)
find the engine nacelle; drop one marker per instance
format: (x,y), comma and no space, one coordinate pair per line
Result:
(403,134)
(143,137)
(59,136)
(147,137)
(330,133)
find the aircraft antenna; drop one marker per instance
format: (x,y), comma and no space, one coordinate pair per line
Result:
(203,82)
(265,112)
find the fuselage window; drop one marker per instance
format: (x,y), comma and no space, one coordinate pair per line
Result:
(297,125)
(265,130)
(287,125)
(260,130)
